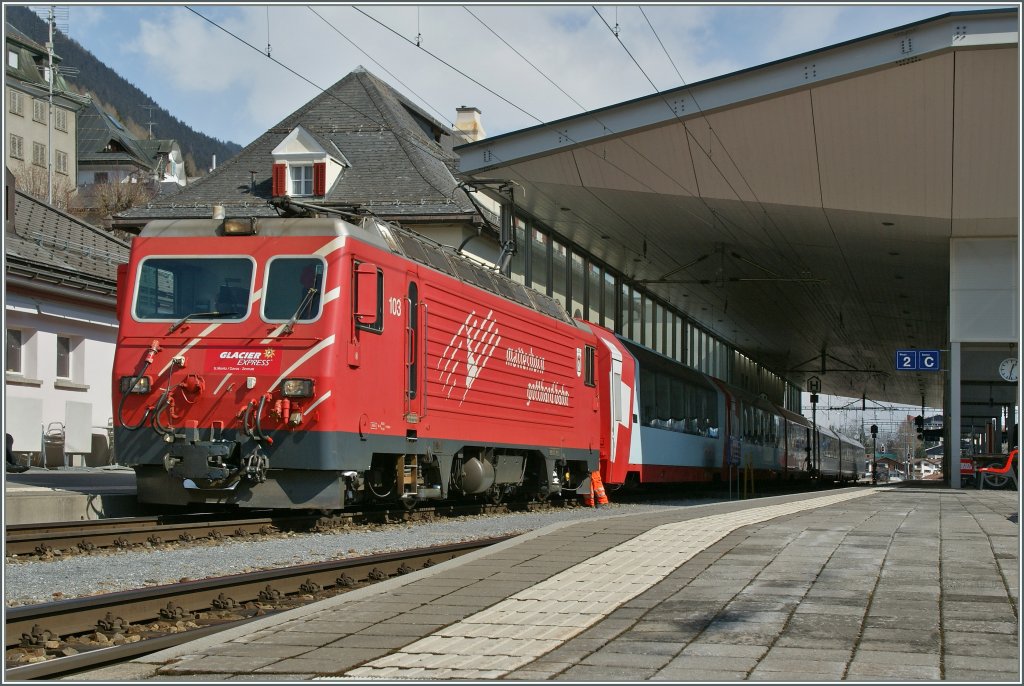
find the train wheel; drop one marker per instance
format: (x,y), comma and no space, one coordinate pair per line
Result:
(495,495)
(409,503)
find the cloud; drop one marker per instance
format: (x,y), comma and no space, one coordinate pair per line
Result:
(230,90)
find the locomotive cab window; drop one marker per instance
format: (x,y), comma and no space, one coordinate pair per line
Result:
(293,289)
(202,288)
(368,297)
(588,360)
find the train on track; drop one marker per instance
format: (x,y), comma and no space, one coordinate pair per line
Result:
(321,363)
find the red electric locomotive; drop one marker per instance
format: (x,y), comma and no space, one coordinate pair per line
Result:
(316,363)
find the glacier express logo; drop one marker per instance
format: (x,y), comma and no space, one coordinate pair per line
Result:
(472,346)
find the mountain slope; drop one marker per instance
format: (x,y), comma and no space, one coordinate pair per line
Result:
(122,98)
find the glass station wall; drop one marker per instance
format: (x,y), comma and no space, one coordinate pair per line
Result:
(589,289)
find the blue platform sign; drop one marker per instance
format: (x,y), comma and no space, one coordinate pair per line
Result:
(928,360)
(906,360)
(918,360)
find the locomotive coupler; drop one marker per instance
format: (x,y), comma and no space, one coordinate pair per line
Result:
(200,461)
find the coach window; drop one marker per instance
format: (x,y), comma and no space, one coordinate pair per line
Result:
(294,288)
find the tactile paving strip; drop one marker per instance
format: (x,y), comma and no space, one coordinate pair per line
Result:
(535,621)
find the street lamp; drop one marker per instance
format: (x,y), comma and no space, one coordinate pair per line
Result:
(874,454)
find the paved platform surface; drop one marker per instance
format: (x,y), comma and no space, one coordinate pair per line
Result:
(859,584)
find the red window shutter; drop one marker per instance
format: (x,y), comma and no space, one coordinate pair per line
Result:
(279,178)
(319,178)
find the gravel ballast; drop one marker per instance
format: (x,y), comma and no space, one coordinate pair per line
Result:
(31,581)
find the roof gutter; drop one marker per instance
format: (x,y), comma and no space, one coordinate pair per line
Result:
(63,292)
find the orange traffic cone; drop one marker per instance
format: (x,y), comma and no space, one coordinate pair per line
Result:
(586,492)
(598,487)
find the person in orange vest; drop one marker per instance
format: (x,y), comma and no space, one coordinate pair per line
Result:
(600,497)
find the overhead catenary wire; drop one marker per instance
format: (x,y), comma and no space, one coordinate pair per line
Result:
(382,124)
(587,149)
(382,67)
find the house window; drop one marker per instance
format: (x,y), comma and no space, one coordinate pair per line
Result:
(63,357)
(17,103)
(17,147)
(39,154)
(12,59)
(14,347)
(60,119)
(39,111)
(100,177)
(302,179)
(62,162)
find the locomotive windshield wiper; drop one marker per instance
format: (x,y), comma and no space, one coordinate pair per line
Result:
(308,298)
(176,325)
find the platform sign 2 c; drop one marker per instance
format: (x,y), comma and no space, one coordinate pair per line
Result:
(918,360)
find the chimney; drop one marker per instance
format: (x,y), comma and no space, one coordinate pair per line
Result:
(468,125)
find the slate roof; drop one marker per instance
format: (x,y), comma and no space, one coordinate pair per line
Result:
(55,248)
(398,169)
(96,129)
(31,56)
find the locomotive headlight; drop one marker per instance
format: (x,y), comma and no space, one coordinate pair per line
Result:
(297,388)
(141,386)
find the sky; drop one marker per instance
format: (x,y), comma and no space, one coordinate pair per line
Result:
(520,64)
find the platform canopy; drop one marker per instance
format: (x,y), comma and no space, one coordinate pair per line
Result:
(803,210)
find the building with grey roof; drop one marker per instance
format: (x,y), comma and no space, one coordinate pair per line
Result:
(360,145)
(60,295)
(37,139)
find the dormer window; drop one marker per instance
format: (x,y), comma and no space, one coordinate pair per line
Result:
(301,180)
(306,165)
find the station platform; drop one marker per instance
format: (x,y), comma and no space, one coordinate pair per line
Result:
(67,494)
(862,584)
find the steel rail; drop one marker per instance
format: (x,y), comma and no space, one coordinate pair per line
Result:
(90,535)
(34,624)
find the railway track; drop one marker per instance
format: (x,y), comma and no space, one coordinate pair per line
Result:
(48,540)
(48,640)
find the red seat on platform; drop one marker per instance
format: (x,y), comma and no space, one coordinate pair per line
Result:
(1006,470)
